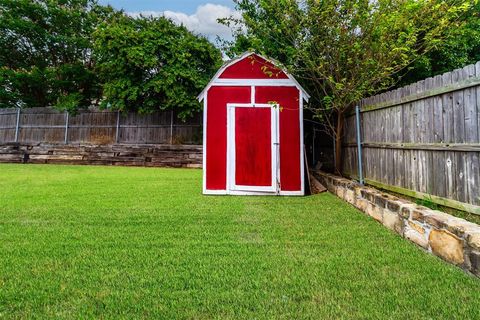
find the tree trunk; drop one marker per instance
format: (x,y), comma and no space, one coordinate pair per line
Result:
(338,143)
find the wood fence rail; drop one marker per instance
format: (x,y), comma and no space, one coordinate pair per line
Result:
(44,125)
(422,140)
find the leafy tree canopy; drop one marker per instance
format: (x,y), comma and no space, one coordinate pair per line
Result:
(74,53)
(45,52)
(461,46)
(345,50)
(150,63)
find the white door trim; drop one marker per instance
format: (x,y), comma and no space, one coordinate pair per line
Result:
(232,187)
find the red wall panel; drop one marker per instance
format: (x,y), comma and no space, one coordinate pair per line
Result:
(253,67)
(289,100)
(217,99)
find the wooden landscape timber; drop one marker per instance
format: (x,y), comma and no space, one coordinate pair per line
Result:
(187,156)
(422,140)
(316,186)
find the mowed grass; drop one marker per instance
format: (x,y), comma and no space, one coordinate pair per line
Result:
(112,242)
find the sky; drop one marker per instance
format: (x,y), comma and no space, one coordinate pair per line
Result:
(199,16)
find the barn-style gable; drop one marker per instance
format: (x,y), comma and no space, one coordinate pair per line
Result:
(252,66)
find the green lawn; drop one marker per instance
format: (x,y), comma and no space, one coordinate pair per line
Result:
(113,242)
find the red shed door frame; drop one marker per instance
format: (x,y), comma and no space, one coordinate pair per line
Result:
(231,149)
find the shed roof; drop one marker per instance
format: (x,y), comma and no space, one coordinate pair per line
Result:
(216,78)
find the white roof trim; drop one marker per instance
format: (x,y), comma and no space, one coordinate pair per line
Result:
(216,81)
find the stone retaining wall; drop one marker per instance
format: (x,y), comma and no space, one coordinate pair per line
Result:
(189,156)
(453,239)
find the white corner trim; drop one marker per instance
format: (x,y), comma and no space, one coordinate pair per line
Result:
(204,155)
(302,147)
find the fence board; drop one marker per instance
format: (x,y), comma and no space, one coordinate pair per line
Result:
(44,125)
(424,137)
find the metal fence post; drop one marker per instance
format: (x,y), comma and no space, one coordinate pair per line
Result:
(66,127)
(313,145)
(359,145)
(334,152)
(117,131)
(17,126)
(171,127)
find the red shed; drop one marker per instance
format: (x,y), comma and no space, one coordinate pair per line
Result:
(253,129)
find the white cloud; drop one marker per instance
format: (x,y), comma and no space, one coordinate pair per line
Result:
(203,21)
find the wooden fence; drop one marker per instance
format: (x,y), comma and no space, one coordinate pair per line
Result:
(43,125)
(422,140)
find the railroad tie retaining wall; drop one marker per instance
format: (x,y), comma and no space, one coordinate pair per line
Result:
(189,156)
(453,239)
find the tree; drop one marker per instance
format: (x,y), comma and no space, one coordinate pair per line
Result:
(46,54)
(149,64)
(344,50)
(460,48)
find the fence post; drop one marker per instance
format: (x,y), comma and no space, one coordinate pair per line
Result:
(66,127)
(17,126)
(334,152)
(313,145)
(117,131)
(359,145)
(171,127)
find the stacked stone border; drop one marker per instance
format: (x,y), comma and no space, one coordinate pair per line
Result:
(453,239)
